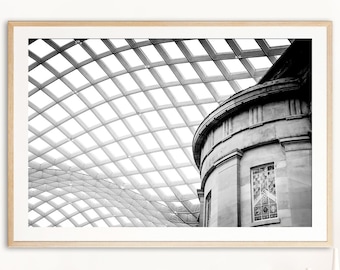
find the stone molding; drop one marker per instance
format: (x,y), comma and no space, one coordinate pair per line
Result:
(239,102)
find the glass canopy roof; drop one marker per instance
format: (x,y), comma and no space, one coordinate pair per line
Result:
(111,123)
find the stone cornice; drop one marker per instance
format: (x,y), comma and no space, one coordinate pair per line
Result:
(238,102)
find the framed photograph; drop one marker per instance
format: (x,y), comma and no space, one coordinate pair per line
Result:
(169,134)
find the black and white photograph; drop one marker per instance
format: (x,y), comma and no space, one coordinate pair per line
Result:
(112,122)
(188,133)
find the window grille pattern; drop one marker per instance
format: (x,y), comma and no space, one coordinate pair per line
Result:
(264,193)
(111,121)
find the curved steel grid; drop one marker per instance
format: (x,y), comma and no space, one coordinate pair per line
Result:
(111,123)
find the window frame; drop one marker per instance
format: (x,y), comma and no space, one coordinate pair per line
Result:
(273,220)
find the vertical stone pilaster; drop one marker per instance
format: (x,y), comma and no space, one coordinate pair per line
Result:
(298,151)
(200,194)
(229,190)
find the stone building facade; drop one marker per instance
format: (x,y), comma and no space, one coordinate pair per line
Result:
(254,152)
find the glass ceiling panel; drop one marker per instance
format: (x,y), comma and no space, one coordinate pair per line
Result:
(86,141)
(247,44)
(223,89)
(160,98)
(69,209)
(32,215)
(154,120)
(137,40)
(70,148)
(109,88)
(89,119)
(125,144)
(40,99)
(190,173)
(39,145)
(76,79)
(55,135)
(40,74)
(92,96)
(166,138)
(195,47)
(234,65)
(160,160)
(201,92)
(72,127)
(39,123)
(31,86)
(131,58)
(123,105)
(115,150)
(132,146)
(59,63)
(58,89)
(184,134)
(94,71)
(78,54)
(127,82)
(139,180)
(192,114)
(141,101)
(62,41)
(102,134)
(112,63)
(155,178)
(167,192)
(136,124)
(245,83)
(144,162)
(172,50)
(57,113)
(119,42)
(166,74)
(40,48)
(172,116)
(220,46)
(180,94)
(119,129)
(74,104)
(111,169)
(146,78)
(97,46)
(84,160)
(127,165)
(30,61)
(277,42)
(56,216)
(99,155)
(148,142)
(187,72)
(209,69)
(105,112)
(184,190)
(152,54)
(208,108)
(260,62)
(178,156)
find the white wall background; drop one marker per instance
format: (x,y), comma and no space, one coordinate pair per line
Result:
(232,259)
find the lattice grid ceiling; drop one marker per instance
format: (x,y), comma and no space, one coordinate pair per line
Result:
(111,123)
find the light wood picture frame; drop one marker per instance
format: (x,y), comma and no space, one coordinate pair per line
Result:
(21,34)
